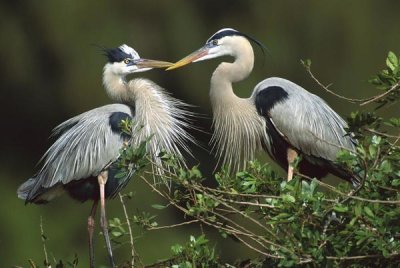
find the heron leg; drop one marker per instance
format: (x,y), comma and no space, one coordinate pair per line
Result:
(91,230)
(102,179)
(291,156)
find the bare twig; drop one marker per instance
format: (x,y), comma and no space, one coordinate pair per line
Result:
(46,259)
(257,204)
(129,230)
(393,255)
(31,263)
(350,258)
(373,131)
(240,213)
(363,101)
(217,225)
(308,68)
(239,194)
(393,88)
(161,263)
(172,225)
(240,229)
(395,142)
(333,189)
(256,249)
(332,144)
(236,211)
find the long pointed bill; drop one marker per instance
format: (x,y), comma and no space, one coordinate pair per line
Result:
(146,63)
(189,59)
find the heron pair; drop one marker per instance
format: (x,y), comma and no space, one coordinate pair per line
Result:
(280,117)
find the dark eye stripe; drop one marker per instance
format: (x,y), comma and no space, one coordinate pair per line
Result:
(116,54)
(231,32)
(221,34)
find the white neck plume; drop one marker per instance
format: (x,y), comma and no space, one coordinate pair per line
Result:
(238,129)
(157,114)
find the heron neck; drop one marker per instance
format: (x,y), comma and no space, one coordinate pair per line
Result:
(238,130)
(221,90)
(116,86)
(158,114)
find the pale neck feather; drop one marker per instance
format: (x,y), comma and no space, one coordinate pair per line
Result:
(238,129)
(157,115)
(116,86)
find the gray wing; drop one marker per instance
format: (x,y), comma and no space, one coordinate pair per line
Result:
(303,119)
(86,144)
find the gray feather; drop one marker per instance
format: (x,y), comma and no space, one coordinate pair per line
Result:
(85,146)
(306,121)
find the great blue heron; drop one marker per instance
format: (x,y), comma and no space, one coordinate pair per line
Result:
(279,116)
(80,161)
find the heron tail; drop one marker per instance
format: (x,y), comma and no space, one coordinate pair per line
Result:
(32,193)
(25,188)
(354,177)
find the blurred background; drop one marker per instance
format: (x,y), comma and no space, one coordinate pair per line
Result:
(50,71)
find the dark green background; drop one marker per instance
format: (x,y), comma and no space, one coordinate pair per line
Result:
(51,72)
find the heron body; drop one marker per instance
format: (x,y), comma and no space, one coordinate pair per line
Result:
(81,161)
(90,141)
(317,132)
(86,144)
(280,116)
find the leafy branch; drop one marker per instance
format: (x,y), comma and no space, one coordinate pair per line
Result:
(387,79)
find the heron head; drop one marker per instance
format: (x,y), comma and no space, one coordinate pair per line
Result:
(124,60)
(223,43)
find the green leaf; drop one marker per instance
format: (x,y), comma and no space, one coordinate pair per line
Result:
(158,206)
(393,122)
(369,212)
(357,210)
(376,139)
(177,249)
(306,63)
(396,182)
(392,61)
(372,150)
(288,198)
(386,167)
(340,208)
(116,233)
(282,216)
(114,222)
(120,175)
(353,221)
(195,173)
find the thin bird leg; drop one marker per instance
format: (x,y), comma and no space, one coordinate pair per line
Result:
(91,230)
(291,156)
(102,179)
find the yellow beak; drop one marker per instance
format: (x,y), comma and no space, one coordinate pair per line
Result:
(189,59)
(146,63)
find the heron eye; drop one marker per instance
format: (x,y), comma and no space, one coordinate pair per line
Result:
(126,61)
(215,42)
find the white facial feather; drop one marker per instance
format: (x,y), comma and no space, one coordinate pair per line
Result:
(128,50)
